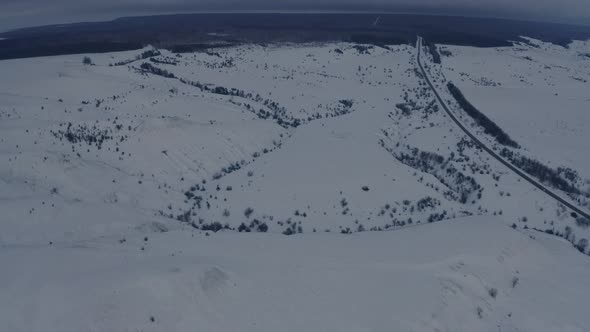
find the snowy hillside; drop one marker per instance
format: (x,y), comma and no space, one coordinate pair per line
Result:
(129,180)
(472,274)
(537,94)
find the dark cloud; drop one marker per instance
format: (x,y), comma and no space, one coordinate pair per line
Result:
(19,13)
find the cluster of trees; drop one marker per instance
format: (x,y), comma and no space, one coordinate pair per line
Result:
(427,203)
(220,90)
(363,49)
(422,160)
(238,165)
(434,217)
(226,63)
(463,186)
(339,108)
(82,133)
(446,52)
(431,107)
(488,125)
(292,228)
(407,108)
(277,112)
(163,62)
(542,172)
(229,169)
(347,103)
(215,226)
(254,226)
(195,84)
(144,55)
(568,173)
(148,67)
(581,245)
(148,54)
(433,51)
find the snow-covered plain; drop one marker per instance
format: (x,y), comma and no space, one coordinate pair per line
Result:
(125,196)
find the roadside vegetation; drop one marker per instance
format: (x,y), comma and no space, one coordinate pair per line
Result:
(489,126)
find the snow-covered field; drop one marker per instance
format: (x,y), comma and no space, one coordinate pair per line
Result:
(127,187)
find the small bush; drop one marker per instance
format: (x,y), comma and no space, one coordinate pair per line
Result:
(582,245)
(343,202)
(493,292)
(582,222)
(87,61)
(515,281)
(243,228)
(263,228)
(214,227)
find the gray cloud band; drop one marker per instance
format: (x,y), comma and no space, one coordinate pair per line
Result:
(19,13)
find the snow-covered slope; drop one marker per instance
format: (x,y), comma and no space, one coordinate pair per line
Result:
(549,134)
(471,274)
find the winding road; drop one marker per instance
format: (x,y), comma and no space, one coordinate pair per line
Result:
(491,152)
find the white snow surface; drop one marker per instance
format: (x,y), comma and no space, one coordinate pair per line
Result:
(436,277)
(111,179)
(541,98)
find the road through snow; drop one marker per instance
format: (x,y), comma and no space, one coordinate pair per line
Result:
(513,168)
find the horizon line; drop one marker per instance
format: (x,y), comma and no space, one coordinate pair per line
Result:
(297,11)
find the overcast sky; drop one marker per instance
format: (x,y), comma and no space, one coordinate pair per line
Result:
(22,13)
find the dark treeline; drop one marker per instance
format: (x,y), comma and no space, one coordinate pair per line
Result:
(190,32)
(145,55)
(488,125)
(156,71)
(433,51)
(29,48)
(381,40)
(545,174)
(199,47)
